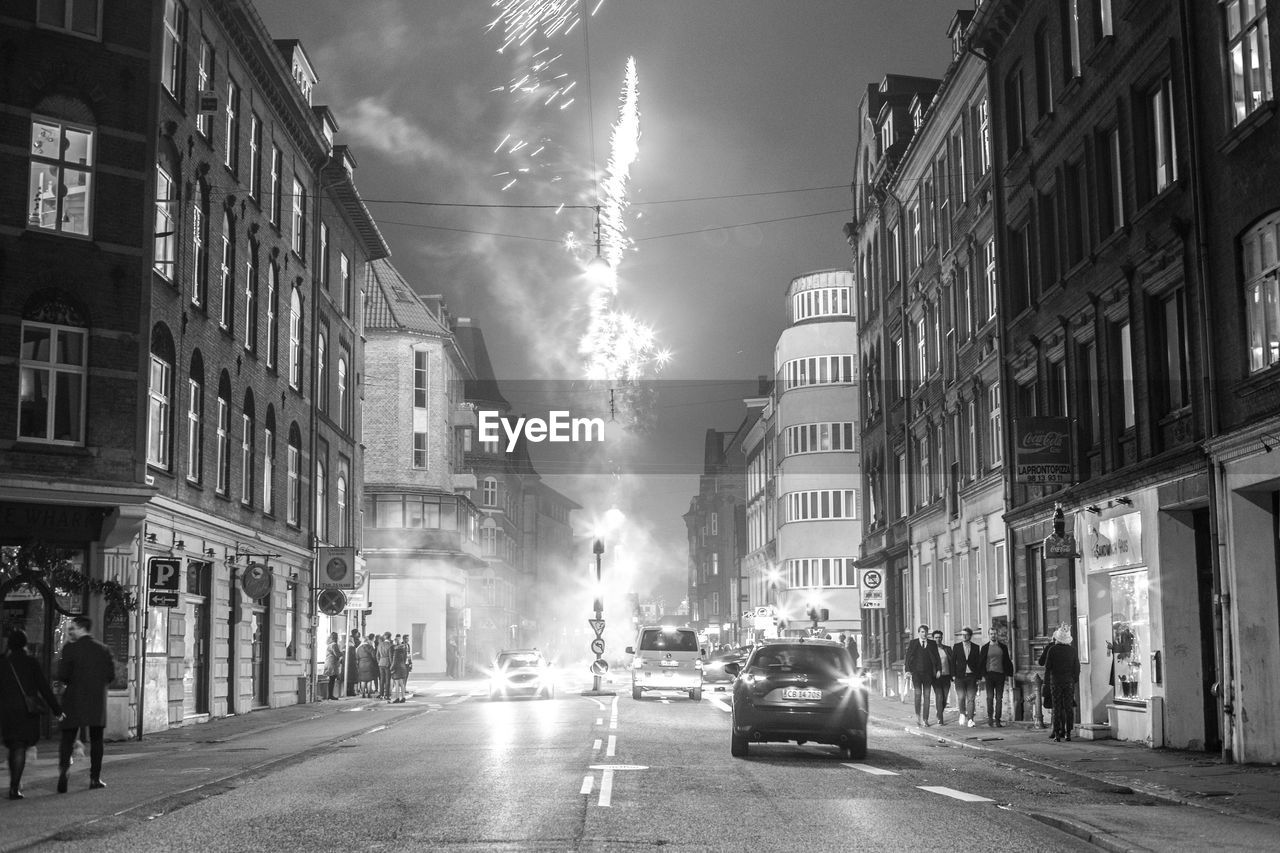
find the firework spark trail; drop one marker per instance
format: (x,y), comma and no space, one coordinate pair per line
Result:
(617,346)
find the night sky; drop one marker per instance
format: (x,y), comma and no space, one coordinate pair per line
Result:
(747,133)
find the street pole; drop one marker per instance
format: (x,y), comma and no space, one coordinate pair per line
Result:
(598,549)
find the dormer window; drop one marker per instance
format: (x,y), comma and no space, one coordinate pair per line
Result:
(304,83)
(886,134)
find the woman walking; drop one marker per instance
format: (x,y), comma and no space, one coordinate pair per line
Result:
(21,679)
(333,665)
(366,666)
(1061,671)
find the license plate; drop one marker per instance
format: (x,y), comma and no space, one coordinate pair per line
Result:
(801,693)
(668,663)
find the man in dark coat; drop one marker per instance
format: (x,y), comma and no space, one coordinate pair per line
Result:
(86,669)
(924,665)
(966,655)
(995,665)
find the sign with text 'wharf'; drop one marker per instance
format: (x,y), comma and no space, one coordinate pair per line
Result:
(1042,450)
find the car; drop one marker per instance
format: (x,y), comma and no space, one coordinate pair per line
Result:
(667,658)
(713,670)
(521,672)
(799,689)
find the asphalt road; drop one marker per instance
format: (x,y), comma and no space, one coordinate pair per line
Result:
(604,773)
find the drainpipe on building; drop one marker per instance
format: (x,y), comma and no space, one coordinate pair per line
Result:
(1209,410)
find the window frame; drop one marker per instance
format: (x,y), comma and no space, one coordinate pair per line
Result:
(59,168)
(1251,37)
(159,413)
(1261,287)
(68,19)
(55,371)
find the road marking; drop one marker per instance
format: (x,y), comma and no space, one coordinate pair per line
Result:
(954,794)
(721,703)
(613,745)
(874,771)
(596,744)
(459,699)
(606,789)
(375,729)
(587,782)
(599,721)
(613,713)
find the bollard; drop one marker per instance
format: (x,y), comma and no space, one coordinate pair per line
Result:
(1037,705)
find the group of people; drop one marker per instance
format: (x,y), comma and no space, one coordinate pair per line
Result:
(85,670)
(372,666)
(936,667)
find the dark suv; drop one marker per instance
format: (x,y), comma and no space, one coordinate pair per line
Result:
(802,690)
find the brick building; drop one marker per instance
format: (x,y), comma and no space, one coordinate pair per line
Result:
(715,525)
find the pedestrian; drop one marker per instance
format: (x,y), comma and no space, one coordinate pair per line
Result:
(995,664)
(384,666)
(366,666)
(1061,672)
(942,681)
(965,656)
(21,680)
(451,658)
(86,669)
(353,643)
(333,665)
(399,669)
(923,664)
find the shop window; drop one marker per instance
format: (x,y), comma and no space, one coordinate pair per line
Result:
(1130,644)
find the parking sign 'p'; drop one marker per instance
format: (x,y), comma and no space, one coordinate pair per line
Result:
(165,573)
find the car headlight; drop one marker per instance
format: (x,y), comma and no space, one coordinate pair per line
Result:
(854,681)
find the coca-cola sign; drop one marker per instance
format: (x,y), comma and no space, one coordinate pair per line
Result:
(1042,450)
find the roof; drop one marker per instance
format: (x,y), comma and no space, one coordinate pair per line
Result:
(484,387)
(392,305)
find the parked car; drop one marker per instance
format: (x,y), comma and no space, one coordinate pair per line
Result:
(667,658)
(521,672)
(713,670)
(799,689)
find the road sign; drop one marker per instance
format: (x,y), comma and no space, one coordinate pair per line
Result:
(599,666)
(164,575)
(331,601)
(872,583)
(161,598)
(597,646)
(597,625)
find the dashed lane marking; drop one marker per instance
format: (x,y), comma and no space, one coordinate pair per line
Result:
(874,771)
(954,794)
(613,746)
(587,783)
(596,744)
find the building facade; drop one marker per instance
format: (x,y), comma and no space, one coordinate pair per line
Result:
(717,539)
(164,300)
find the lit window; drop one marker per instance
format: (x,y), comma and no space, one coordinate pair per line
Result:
(175,40)
(1262,292)
(1071,11)
(1248,56)
(159,396)
(61,176)
(204,86)
(1164,150)
(166,236)
(1123,337)
(52,370)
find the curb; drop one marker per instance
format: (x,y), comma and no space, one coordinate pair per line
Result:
(1097,838)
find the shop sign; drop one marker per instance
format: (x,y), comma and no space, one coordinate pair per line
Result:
(1113,543)
(1042,450)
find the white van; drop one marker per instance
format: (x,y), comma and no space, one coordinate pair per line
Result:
(667,658)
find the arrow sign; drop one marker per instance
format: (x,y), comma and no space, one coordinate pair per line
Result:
(597,625)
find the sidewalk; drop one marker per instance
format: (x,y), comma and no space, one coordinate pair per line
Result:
(1175,776)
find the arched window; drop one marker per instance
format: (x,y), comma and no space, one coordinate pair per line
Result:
(269,463)
(61,179)
(53,368)
(223,485)
(295,339)
(200,247)
(322,511)
(294,496)
(273,313)
(160,399)
(490,495)
(322,375)
(226,271)
(195,418)
(342,391)
(246,450)
(343,519)
(251,299)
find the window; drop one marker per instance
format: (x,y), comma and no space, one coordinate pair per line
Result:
(158,408)
(255,156)
(61,177)
(1262,292)
(1164,146)
(995,450)
(223,485)
(983,123)
(1015,129)
(1050,235)
(895,249)
(489,542)
(299,236)
(273,317)
(886,134)
(195,429)
(1077,203)
(77,17)
(231,157)
(813,572)
(916,248)
(251,300)
(821,505)
(1126,374)
(174,50)
(904,486)
(820,302)
(1110,183)
(922,352)
(52,370)
(997,568)
(204,84)
(971,424)
(322,511)
(1249,56)
(819,438)
(199,252)
(246,458)
(1071,23)
(989,277)
(166,236)
(964,293)
(268,470)
(925,459)
(227,274)
(1044,73)
(343,520)
(817,370)
(294,473)
(1089,405)
(489,494)
(277,179)
(342,391)
(344,275)
(1173,333)
(421,424)
(1057,403)
(292,611)
(295,339)
(322,375)
(1103,23)
(900,367)
(715,523)
(322,256)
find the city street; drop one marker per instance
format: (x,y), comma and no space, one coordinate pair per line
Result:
(451,769)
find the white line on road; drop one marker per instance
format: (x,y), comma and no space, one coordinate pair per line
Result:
(587,782)
(613,714)
(953,793)
(596,744)
(599,721)
(722,703)
(606,789)
(375,729)
(613,745)
(874,771)
(459,699)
